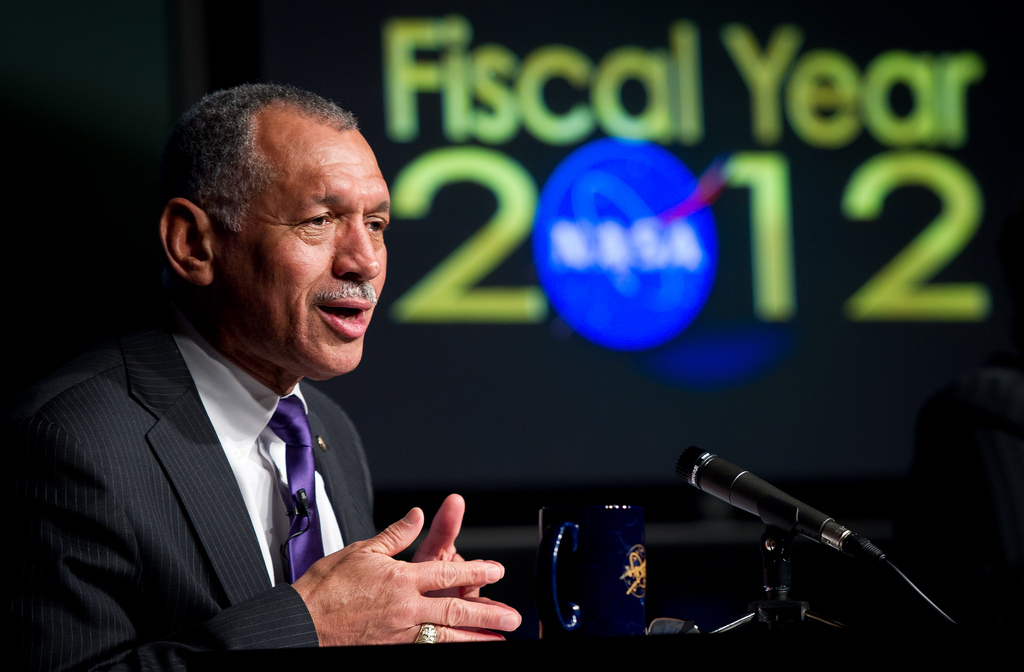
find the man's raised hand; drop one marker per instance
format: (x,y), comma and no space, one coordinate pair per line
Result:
(362,595)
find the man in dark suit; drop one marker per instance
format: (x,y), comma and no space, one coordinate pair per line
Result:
(155,478)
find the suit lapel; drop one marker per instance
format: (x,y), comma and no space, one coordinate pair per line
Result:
(339,465)
(328,469)
(187,446)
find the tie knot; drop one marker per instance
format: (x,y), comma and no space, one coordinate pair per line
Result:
(290,422)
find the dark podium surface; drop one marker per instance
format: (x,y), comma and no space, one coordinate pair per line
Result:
(818,646)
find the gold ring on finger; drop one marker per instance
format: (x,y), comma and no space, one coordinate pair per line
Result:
(427,634)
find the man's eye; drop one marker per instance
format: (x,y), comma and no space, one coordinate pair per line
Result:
(319,221)
(376,225)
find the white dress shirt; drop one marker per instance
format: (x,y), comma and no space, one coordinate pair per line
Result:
(240,407)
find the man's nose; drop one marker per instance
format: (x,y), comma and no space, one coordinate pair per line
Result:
(356,254)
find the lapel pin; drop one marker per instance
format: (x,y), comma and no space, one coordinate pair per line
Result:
(320,442)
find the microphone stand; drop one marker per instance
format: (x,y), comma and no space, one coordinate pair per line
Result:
(777,609)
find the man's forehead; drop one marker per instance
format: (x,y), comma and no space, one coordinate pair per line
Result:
(295,142)
(281,128)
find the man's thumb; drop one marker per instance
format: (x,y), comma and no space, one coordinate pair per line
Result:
(399,535)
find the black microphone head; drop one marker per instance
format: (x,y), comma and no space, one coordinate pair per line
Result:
(689,464)
(302,507)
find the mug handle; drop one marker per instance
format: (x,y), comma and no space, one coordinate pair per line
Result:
(550,551)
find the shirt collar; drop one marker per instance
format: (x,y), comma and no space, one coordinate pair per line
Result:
(239,406)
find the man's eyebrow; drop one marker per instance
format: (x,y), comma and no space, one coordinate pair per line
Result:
(335,199)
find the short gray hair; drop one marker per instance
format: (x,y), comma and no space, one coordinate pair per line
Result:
(211,156)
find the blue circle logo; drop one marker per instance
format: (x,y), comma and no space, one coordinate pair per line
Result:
(625,253)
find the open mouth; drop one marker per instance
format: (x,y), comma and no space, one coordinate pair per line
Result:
(347,321)
(341,311)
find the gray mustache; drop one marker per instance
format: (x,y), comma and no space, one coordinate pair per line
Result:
(348,290)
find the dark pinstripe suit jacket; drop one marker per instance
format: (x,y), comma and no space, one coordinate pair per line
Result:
(133,545)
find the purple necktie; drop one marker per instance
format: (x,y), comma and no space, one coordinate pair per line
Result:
(305,545)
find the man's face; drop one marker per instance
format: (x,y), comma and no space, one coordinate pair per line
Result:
(283,284)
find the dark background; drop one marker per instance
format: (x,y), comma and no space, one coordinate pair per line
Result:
(517,416)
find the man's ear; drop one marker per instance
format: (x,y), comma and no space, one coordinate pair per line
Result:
(187,234)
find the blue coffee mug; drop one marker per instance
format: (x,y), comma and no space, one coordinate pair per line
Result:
(591,571)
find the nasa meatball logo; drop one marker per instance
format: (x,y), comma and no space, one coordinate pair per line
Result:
(623,249)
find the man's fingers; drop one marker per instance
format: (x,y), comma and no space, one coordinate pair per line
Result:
(446,635)
(399,535)
(441,575)
(458,591)
(439,543)
(471,614)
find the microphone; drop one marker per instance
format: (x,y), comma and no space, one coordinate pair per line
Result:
(302,507)
(743,490)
